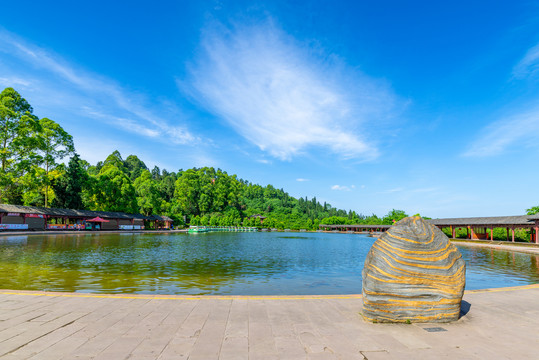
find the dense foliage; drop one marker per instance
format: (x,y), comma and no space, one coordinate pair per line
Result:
(32,173)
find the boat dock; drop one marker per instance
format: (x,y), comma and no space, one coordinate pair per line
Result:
(205,229)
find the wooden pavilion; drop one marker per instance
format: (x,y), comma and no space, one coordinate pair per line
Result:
(18,217)
(476,227)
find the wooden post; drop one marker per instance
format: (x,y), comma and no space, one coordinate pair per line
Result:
(491,232)
(507,234)
(513,233)
(536,232)
(468,232)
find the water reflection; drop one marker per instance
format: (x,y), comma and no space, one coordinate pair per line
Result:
(489,267)
(219,263)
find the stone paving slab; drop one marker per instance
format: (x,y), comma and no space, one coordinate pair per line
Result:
(496,324)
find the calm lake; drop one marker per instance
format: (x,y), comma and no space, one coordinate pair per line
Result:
(220,263)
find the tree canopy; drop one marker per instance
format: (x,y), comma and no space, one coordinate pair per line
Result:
(32,155)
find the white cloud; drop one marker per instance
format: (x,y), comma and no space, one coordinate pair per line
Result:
(76,88)
(282,97)
(342,187)
(302,180)
(529,65)
(521,128)
(394,190)
(425,190)
(14,81)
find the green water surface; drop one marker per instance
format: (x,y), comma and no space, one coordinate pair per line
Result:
(219,263)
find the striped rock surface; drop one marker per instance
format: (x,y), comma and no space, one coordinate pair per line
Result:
(413,274)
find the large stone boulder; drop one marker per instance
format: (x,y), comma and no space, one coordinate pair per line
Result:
(413,274)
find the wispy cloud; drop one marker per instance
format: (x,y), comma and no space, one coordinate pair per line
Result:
(521,128)
(284,96)
(110,102)
(529,65)
(343,187)
(302,180)
(14,81)
(425,190)
(394,190)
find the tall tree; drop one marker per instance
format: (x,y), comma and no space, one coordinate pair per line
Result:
(114,159)
(68,188)
(18,129)
(14,110)
(112,190)
(134,166)
(54,144)
(148,197)
(156,172)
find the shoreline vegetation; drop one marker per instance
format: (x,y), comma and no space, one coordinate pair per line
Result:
(32,173)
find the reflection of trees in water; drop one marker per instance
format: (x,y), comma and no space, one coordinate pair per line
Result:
(130,263)
(522,265)
(210,263)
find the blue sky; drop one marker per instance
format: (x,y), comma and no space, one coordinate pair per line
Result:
(420,106)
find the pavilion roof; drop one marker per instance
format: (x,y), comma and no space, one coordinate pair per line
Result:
(489,220)
(501,221)
(8,208)
(159,217)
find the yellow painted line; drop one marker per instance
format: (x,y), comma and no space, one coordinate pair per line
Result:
(512,288)
(179,297)
(231,297)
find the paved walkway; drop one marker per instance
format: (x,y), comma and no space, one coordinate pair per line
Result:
(497,324)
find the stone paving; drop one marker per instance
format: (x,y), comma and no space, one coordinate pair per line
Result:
(496,324)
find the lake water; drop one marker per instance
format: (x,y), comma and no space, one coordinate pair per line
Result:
(219,264)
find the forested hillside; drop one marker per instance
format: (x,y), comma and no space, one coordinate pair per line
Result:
(32,152)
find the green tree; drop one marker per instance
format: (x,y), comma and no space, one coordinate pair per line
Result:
(393,216)
(68,188)
(114,159)
(18,129)
(533,210)
(187,192)
(112,190)
(14,113)
(134,166)
(148,196)
(54,144)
